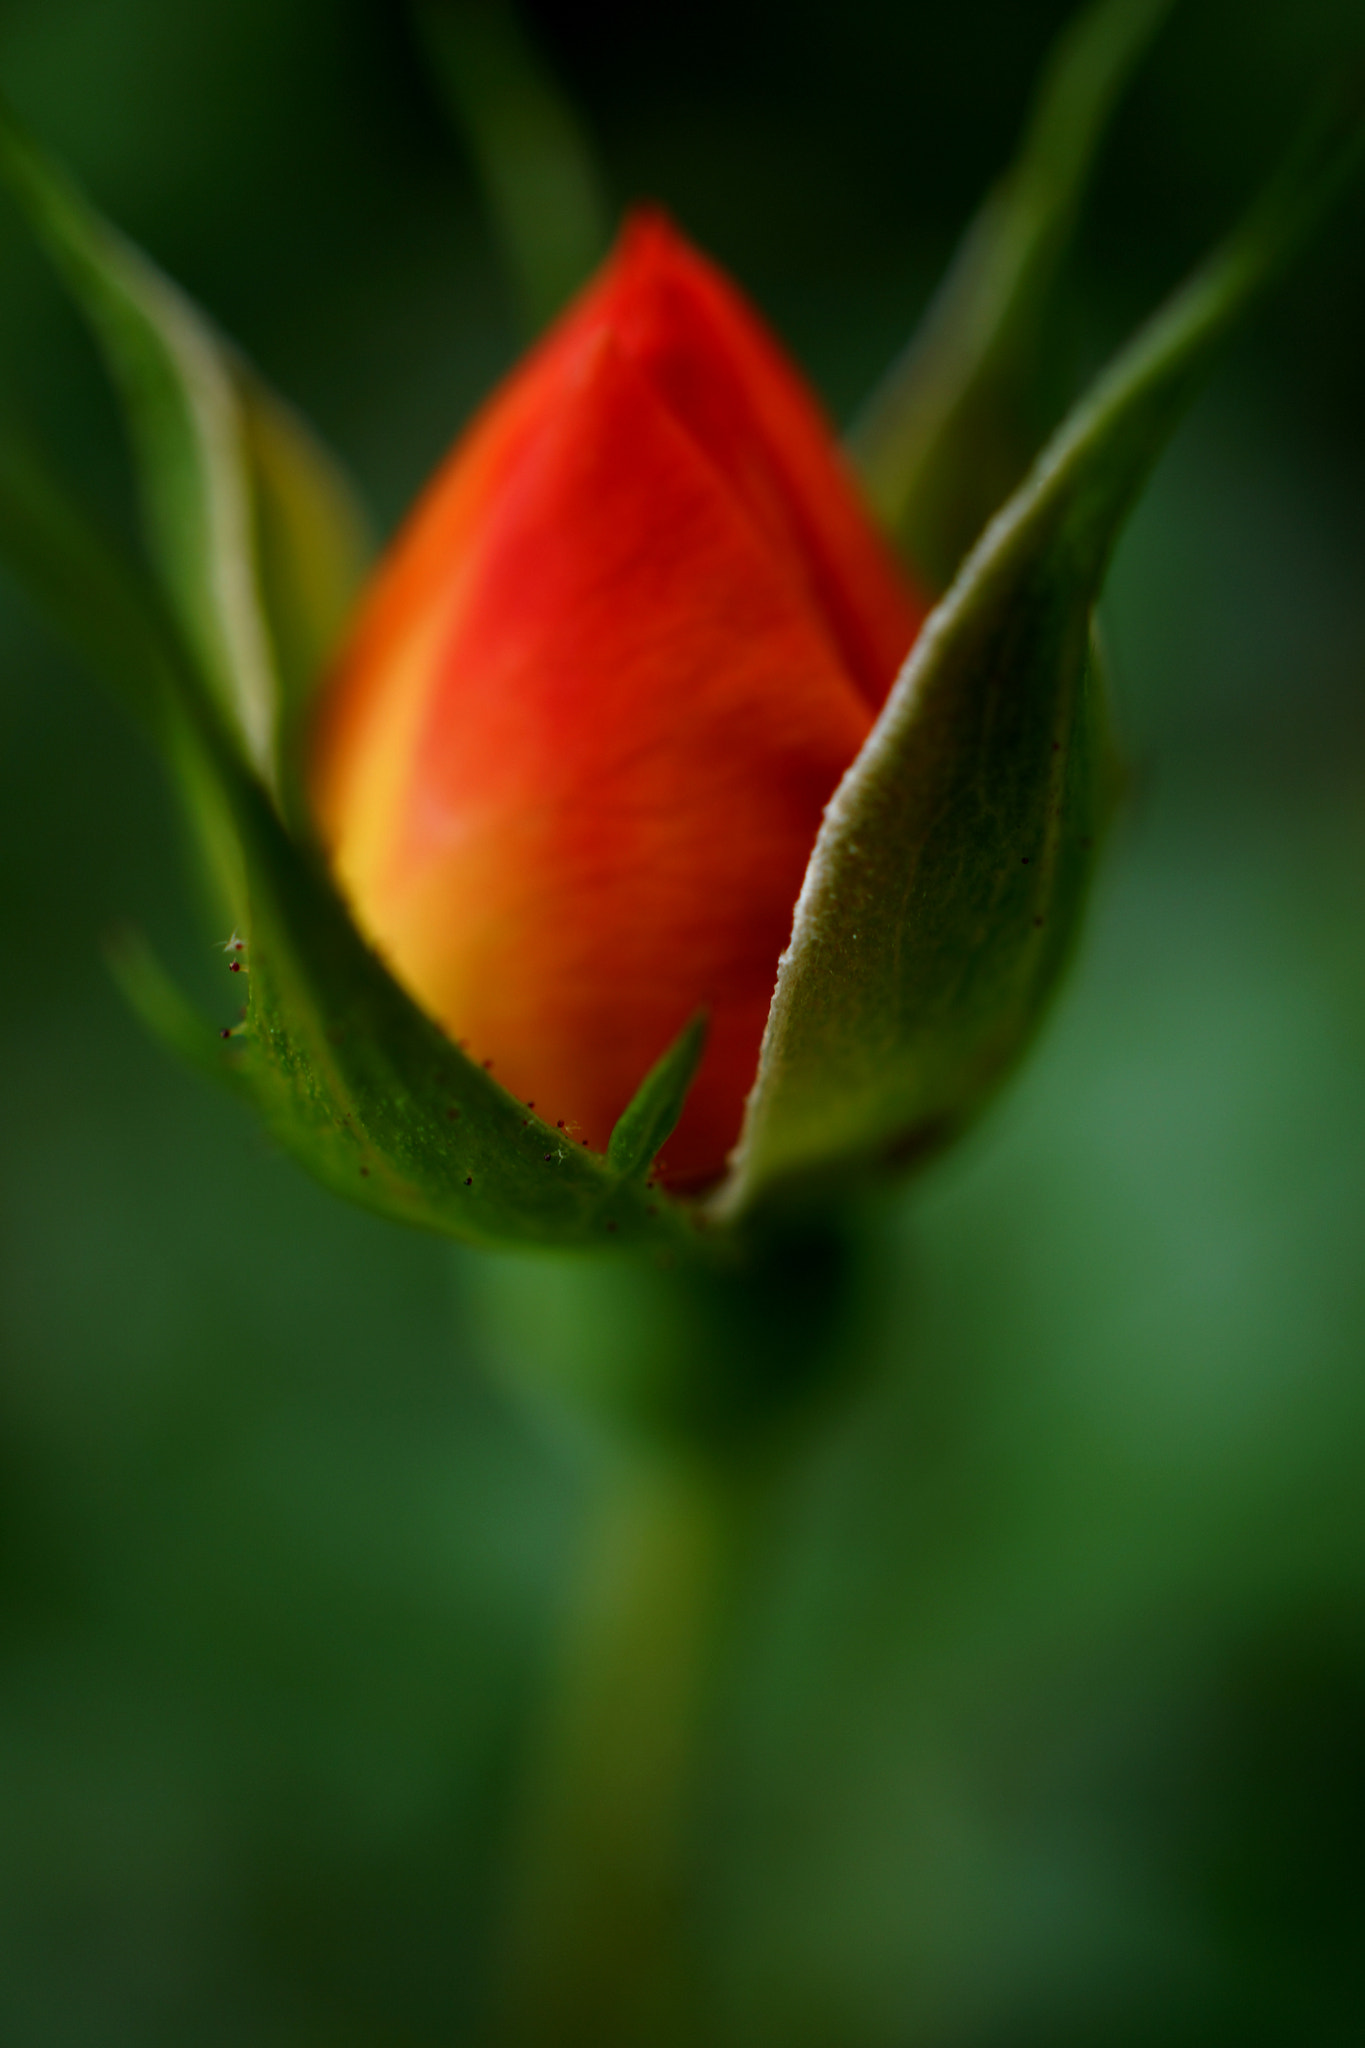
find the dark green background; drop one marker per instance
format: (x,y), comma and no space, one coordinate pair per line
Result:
(1046,1728)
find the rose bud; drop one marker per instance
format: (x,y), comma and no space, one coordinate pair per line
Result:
(625,734)
(573,760)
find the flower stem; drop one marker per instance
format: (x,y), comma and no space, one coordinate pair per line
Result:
(597,1949)
(599,1944)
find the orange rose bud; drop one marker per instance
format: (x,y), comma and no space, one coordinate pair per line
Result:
(572,763)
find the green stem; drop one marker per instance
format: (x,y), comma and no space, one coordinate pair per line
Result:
(598,1949)
(698,1387)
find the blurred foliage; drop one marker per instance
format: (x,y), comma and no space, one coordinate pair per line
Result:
(537,167)
(1043,1725)
(945,436)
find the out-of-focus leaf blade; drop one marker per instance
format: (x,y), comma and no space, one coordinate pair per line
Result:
(947,877)
(944,439)
(252,529)
(651,1116)
(535,162)
(182,414)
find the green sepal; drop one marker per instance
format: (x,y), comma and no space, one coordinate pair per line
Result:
(651,1116)
(256,537)
(946,436)
(349,1074)
(947,879)
(541,182)
(373,1097)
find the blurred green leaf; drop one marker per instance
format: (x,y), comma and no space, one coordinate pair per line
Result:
(944,439)
(651,1116)
(947,879)
(253,531)
(534,159)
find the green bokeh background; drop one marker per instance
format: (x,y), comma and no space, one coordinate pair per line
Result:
(1045,1724)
